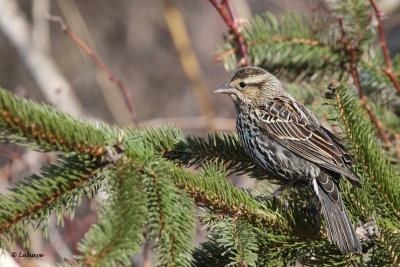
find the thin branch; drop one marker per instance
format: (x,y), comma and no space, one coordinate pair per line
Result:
(354,74)
(126,94)
(388,70)
(334,64)
(363,31)
(46,202)
(232,21)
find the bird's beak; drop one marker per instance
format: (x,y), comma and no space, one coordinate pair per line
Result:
(226,89)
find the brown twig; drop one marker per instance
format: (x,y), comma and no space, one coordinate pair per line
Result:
(363,31)
(34,208)
(388,70)
(334,64)
(126,94)
(228,14)
(354,74)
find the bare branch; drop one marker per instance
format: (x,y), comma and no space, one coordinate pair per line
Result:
(127,95)
(388,70)
(232,21)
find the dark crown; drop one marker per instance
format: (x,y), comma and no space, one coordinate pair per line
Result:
(248,72)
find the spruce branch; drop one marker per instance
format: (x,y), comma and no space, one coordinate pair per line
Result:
(309,252)
(125,93)
(43,127)
(212,190)
(389,238)
(373,159)
(236,241)
(293,43)
(194,150)
(171,216)
(211,254)
(32,201)
(245,242)
(118,233)
(217,148)
(352,52)
(356,17)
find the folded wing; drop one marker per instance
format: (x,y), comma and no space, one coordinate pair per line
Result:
(290,124)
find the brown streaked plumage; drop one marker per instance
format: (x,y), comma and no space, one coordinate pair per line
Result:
(285,139)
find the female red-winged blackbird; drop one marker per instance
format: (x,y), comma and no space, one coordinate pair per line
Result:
(285,139)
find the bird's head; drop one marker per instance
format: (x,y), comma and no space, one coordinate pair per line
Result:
(251,85)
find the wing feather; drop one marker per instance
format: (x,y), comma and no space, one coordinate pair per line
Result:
(303,135)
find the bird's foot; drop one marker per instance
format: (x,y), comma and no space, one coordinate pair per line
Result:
(316,212)
(279,191)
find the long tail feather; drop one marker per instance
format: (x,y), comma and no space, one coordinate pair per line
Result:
(339,227)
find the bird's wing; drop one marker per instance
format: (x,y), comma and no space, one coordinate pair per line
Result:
(290,124)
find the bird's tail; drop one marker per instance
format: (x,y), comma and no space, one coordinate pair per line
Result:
(338,224)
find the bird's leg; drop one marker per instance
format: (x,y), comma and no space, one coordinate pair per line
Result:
(279,190)
(316,212)
(318,218)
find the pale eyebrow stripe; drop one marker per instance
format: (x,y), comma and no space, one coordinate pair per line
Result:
(256,79)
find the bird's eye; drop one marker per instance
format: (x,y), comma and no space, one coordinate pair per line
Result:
(242,84)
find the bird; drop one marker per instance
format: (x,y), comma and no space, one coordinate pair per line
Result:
(286,141)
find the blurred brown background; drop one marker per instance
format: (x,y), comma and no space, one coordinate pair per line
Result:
(133,40)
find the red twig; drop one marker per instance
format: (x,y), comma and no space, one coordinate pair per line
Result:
(362,32)
(354,74)
(126,94)
(231,19)
(334,64)
(388,70)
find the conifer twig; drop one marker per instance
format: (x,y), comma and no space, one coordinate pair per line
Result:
(46,202)
(363,31)
(232,21)
(388,70)
(276,39)
(126,94)
(354,74)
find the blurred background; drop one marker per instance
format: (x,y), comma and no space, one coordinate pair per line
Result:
(162,51)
